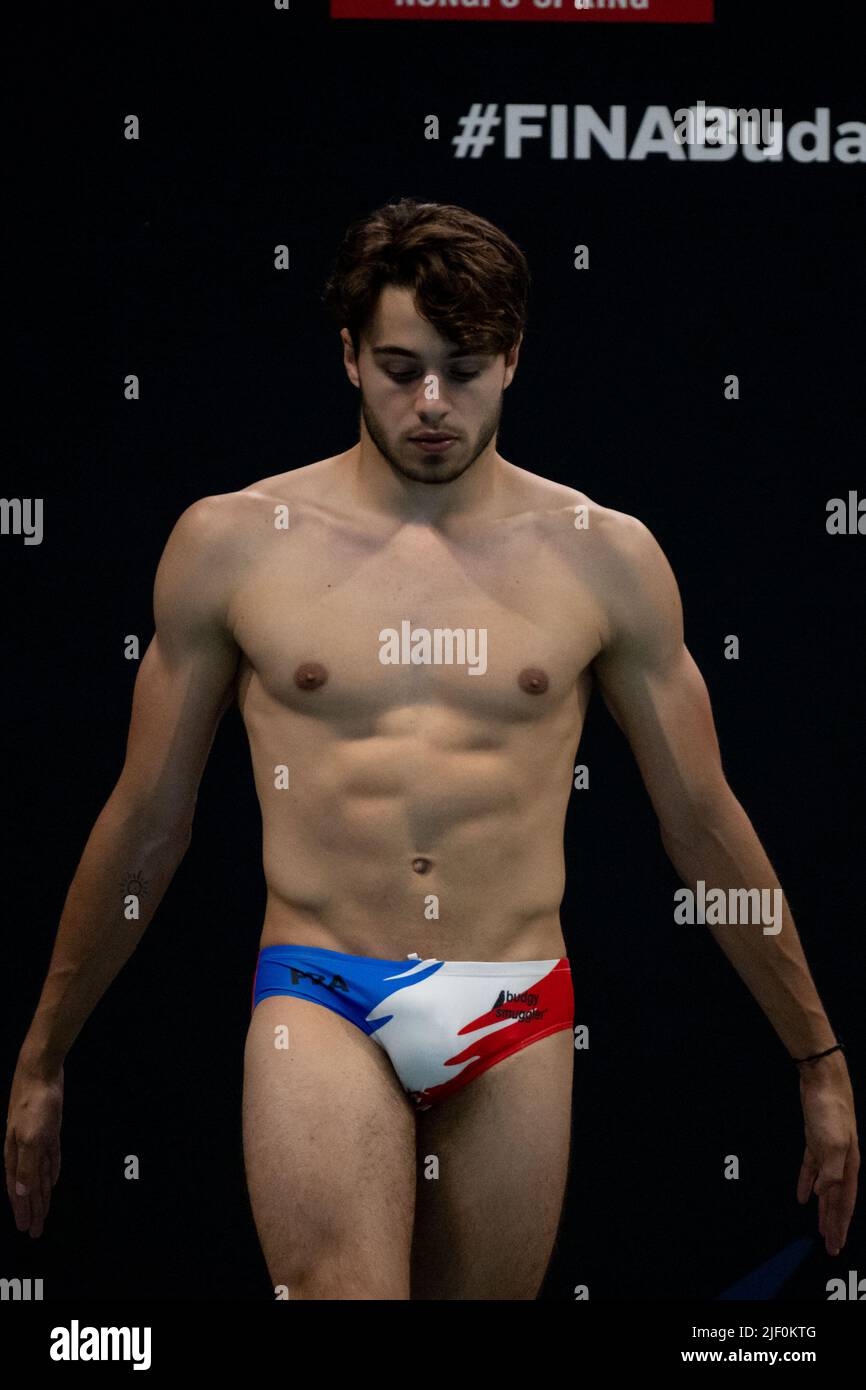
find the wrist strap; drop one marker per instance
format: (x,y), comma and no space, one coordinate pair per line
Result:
(840,1047)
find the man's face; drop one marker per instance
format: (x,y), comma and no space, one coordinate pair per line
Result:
(413,381)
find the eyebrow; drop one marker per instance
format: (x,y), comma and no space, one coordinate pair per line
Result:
(393,351)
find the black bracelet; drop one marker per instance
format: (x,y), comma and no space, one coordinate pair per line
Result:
(840,1047)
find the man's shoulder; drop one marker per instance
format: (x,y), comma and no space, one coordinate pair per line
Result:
(218,519)
(611,536)
(612,556)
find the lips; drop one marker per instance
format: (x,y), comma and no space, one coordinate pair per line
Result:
(434,443)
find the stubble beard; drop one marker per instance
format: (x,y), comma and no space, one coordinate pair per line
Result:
(422,472)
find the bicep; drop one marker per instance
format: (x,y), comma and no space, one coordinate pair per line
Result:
(185,681)
(666,716)
(655,691)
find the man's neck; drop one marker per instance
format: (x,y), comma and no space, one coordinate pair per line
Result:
(375,485)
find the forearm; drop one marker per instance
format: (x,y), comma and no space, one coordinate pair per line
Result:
(723,850)
(128,852)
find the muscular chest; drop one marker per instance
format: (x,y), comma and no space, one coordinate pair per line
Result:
(347,628)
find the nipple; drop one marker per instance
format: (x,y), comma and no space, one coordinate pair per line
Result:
(533,680)
(422,865)
(310,675)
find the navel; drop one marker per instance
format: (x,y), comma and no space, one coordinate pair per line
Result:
(533,680)
(422,865)
(310,675)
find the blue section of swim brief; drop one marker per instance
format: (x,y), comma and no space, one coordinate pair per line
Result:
(351,985)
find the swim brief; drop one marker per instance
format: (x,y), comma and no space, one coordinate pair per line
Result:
(441,1022)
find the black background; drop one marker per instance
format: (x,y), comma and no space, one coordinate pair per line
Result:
(156,257)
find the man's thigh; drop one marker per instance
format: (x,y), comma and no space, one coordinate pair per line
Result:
(485,1228)
(329,1149)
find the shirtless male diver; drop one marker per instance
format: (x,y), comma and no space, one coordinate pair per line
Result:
(411,630)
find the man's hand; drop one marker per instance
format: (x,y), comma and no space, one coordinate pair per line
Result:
(32,1150)
(832,1158)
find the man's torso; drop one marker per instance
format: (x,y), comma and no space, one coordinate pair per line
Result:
(415,806)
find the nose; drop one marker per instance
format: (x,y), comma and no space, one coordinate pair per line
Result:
(431,405)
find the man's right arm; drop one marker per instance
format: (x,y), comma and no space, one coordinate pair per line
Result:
(182,689)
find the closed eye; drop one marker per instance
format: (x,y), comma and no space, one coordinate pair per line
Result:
(407,376)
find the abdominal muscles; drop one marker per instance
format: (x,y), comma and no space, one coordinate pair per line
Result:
(436,829)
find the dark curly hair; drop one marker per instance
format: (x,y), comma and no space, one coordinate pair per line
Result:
(470,280)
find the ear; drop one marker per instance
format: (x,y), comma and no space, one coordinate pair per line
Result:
(511,362)
(349,361)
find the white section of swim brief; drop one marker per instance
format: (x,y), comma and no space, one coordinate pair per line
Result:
(425,1018)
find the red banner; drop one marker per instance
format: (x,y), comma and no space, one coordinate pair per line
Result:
(552,11)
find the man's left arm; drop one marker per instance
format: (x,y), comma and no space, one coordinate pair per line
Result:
(657,696)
